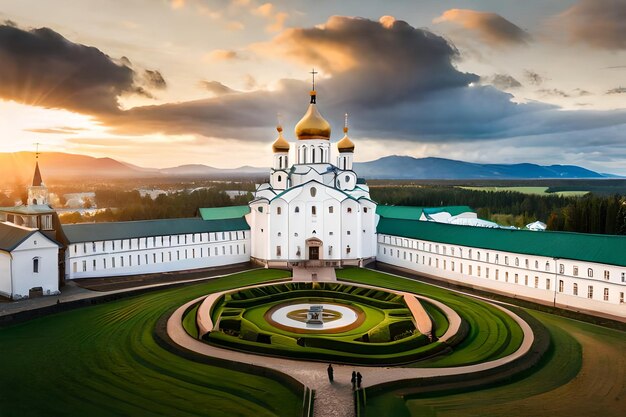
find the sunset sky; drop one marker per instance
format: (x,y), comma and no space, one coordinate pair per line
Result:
(163,83)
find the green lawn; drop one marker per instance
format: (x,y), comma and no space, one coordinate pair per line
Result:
(583,374)
(103,361)
(492,335)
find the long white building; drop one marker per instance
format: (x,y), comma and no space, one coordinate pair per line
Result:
(315,212)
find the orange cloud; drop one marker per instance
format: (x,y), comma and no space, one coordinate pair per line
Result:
(598,23)
(492,28)
(223,55)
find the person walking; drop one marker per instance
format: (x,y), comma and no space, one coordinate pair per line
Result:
(353,380)
(330,372)
(359,378)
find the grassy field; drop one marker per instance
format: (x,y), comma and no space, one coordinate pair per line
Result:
(103,361)
(493,334)
(530,190)
(583,375)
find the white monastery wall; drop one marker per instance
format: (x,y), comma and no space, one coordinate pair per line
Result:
(34,263)
(571,284)
(156,254)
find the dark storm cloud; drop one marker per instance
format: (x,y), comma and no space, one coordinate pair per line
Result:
(492,28)
(42,68)
(598,23)
(503,81)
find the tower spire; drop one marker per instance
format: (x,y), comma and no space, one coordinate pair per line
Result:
(345,123)
(37,181)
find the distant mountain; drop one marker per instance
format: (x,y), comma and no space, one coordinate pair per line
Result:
(18,167)
(406,167)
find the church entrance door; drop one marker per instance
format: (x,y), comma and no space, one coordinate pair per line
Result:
(314,252)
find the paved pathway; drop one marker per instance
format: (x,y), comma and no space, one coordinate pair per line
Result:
(335,400)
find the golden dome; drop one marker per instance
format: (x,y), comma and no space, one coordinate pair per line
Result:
(313,125)
(345,144)
(280,144)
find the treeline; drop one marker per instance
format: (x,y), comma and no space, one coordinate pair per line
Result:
(588,214)
(129,205)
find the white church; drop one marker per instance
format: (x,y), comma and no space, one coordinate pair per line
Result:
(315,214)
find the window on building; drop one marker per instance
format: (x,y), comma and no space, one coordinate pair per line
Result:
(347,179)
(348,249)
(478,271)
(590,272)
(547,266)
(122,261)
(621,298)
(278,211)
(516,261)
(452,266)
(347,232)
(590,291)
(486,272)
(623,276)
(575,271)
(561,285)
(607,275)
(561,269)
(516,278)
(575,289)
(93,246)
(536,264)
(478,256)
(278,251)
(527,263)
(506,277)
(536,282)
(279,178)
(313,210)
(526,280)
(497,275)
(349,210)
(296,210)
(547,283)
(331,209)
(93,266)
(313,191)
(606,294)
(84,266)
(36,265)
(112,262)
(364,209)
(497,259)
(84,248)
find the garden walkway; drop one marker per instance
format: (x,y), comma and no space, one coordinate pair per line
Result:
(336,400)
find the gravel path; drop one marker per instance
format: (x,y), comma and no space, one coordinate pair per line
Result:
(336,399)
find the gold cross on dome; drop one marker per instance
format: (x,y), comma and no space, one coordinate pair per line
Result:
(313,72)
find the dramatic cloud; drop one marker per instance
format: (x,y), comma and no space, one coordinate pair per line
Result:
(492,28)
(598,23)
(42,68)
(503,81)
(217,88)
(398,83)
(154,79)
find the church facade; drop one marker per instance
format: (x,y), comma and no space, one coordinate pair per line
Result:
(315,212)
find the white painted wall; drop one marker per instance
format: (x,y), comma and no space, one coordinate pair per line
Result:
(158,254)
(17,276)
(537,277)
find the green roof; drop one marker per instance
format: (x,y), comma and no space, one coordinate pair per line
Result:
(453,210)
(221,213)
(607,249)
(415,212)
(399,212)
(93,232)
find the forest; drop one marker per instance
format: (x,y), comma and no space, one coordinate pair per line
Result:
(603,214)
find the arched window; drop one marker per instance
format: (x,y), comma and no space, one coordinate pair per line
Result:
(280,178)
(313,155)
(278,211)
(347,178)
(349,210)
(314,210)
(34,201)
(36,265)
(296,210)
(313,191)
(364,209)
